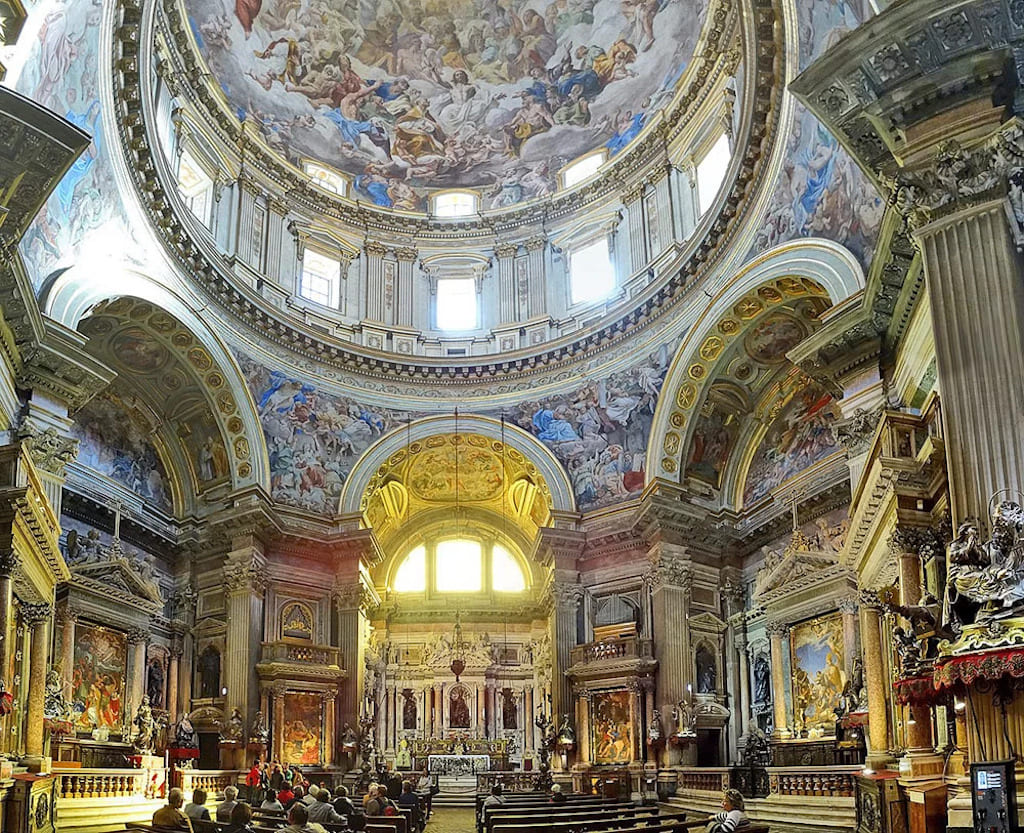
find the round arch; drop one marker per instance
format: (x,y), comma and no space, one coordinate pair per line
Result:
(536,452)
(830,266)
(73,295)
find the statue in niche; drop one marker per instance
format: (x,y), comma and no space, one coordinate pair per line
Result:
(408,709)
(145,727)
(458,710)
(185,736)
(259,734)
(509,712)
(755,750)
(209,673)
(155,683)
(706,672)
(762,680)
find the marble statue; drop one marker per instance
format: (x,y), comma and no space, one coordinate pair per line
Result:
(762,680)
(566,734)
(684,715)
(654,732)
(908,649)
(854,696)
(986,581)
(755,750)
(259,733)
(185,736)
(233,729)
(55,705)
(145,727)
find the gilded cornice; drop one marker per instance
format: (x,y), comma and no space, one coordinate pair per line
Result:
(211,271)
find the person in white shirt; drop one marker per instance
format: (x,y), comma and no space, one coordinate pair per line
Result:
(732,816)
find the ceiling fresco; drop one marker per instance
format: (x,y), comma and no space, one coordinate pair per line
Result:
(411,94)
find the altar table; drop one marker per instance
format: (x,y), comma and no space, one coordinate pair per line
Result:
(458,764)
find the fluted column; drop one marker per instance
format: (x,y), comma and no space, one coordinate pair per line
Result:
(874,679)
(244,580)
(438,712)
(567,597)
(633,200)
(977,304)
(137,638)
(351,601)
(669,582)
(508,308)
(374,260)
(8,561)
(403,286)
(778,634)
(37,617)
(537,296)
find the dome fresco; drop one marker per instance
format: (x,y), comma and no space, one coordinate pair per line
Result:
(410,95)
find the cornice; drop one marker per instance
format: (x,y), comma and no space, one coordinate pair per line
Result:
(209,269)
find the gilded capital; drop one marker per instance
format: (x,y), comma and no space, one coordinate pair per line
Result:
(9,561)
(34,615)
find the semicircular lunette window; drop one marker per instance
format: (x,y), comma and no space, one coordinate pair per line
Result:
(459,565)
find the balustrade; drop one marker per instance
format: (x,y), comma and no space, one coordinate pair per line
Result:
(511,782)
(101,783)
(833,781)
(301,653)
(213,781)
(628,647)
(703,779)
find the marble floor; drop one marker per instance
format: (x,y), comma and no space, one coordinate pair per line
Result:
(451,820)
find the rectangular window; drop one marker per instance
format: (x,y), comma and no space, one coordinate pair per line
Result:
(591,274)
(195,187)
(456,304)
(584,169)
(326,178)
(320,280)
(711,172)
(459,567)
(454,204)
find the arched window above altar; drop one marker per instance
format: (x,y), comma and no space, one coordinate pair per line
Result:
(459,565)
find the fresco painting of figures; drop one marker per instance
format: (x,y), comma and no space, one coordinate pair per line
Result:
(818,672)
(98,678)
(612,728)
(313,437)
(405,95)
(114,439)
(801,435)
(300,735)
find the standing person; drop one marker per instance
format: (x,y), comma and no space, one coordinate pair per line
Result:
(732,816)
(254,780)
(276,777)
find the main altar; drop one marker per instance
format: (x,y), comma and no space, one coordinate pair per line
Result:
(460,755)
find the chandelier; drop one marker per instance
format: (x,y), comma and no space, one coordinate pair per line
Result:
(458,664)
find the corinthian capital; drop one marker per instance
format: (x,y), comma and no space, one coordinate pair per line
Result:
(668,571)
(856,433)
(244,577)
(49,451)
(777,629)
(36,614)
(566,594)
(354,596)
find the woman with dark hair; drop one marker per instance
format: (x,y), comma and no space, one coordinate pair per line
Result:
(241,819)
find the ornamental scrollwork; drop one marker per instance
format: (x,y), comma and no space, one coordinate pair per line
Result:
(855,434)
(49,451)
(567,595)
(36,614)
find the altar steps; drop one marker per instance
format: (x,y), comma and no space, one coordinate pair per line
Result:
(456,791)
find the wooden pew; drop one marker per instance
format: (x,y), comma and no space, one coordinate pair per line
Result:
(540,815)
(557,825)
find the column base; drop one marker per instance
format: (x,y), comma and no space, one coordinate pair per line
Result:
(925,765)
(36,763)
(878,761)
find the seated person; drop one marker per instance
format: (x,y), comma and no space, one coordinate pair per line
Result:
(557,796)
(241,819)
(309,799)
(297,819)
(732,816)
(228,804)
(171,815)
(196,808)
(496,798)
(343,805)
(377,802)
(323,811)
(297,795)
(272,803)
(285,795)
(408,800)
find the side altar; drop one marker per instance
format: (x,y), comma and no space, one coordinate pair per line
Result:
(460,755)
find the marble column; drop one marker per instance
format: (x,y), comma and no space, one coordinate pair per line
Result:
(977,305)
(37,617)
(244,572)
(528,721)
(438,712)
(875,682)
(173,666)
(851,634)
(669,583)
(567,598)
(68,618)
(537,297)
(403,286)
(508,308)
(8,561)
(778,634)
(583,727)
(137,638)
(741,711)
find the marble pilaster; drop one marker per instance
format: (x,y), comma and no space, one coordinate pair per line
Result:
(778,635)
(244,581)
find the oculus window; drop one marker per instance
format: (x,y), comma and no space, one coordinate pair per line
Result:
(582,169)
(326,178)
(591,274)
(456,304)
(196,188)
(455,204)
(711,172)
(320,280)
(459,565)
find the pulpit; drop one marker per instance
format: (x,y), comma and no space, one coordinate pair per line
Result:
(30,806)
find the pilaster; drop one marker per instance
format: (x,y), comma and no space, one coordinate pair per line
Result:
(245,583)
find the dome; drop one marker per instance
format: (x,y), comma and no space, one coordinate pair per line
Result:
(406,98)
